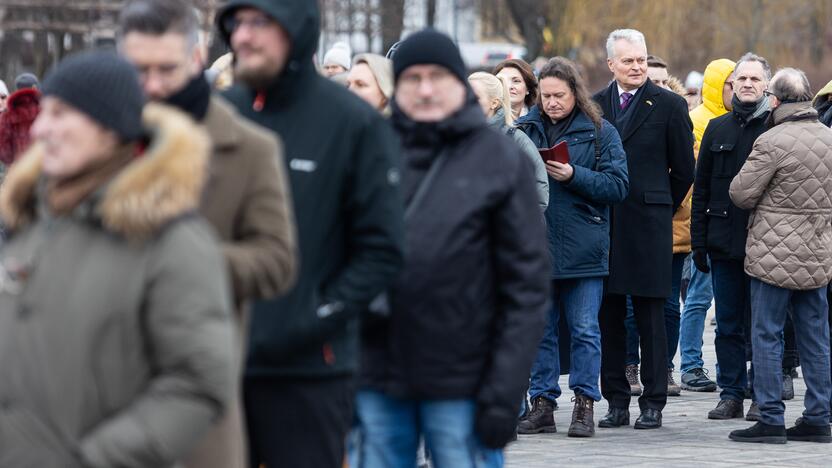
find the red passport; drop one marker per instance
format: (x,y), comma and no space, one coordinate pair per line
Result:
(559,153)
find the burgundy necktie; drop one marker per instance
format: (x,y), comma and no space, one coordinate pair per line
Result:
(625,100)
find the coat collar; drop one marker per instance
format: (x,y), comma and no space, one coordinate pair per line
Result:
(163,184)
(645,104)
(794,111)
(216,122)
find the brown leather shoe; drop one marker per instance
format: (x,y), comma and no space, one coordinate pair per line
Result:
(583,420)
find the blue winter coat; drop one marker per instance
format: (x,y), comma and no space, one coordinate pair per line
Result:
(578,215)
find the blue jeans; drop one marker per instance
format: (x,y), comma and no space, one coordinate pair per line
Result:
(389,430)
(579,300)
(692,326)
(809,313)
(733,311)
(671,317)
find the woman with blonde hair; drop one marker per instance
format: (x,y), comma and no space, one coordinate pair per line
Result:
(371,78)
(493,96)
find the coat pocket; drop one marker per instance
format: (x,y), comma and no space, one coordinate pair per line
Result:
(658,198)
(717,210)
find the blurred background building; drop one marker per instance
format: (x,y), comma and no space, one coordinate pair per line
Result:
(36,33)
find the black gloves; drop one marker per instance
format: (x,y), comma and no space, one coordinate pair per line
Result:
(495,426)
(700,260)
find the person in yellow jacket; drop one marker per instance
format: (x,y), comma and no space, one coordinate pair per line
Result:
(717,91)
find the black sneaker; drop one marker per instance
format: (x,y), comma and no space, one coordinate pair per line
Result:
(761,434)
(726,409)
(803,432)
(540,418)
(696,380)
(788,386)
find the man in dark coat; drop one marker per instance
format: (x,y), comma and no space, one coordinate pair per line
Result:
(342,161)
(467,311)
(246,198)
(658,139)
(719,229)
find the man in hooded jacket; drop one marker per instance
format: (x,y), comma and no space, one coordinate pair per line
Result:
(717,92)
(341,156)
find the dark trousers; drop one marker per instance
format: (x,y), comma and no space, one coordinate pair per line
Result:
(672,316)
(732,298)
(649,315)
(298,423)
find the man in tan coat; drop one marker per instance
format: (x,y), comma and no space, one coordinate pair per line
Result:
(246,198)
(786,182)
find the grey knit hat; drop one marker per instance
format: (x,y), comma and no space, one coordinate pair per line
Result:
(102,85)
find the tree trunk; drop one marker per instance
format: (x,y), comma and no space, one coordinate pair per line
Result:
(430,12)
(392,22)
(530,18)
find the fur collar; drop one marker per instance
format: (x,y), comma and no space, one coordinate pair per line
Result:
(164,183)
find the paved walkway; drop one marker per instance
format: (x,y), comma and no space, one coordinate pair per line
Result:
(688,438)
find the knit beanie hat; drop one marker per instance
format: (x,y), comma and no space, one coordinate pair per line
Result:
(26,80)
(339,54)
(102,85)
(4,91)
(429,46)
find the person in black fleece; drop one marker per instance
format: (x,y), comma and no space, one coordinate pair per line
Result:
(342,161)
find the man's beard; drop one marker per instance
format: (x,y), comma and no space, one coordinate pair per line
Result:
(255,78)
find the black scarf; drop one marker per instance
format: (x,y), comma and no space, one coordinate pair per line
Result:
(745,110)
(555,130)
(194,98)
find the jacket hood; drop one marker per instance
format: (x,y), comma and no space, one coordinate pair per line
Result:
(823,94)
(300,18)
(715,75)
(794,111)
(163,184)
(24,98)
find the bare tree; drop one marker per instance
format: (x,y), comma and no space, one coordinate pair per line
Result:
(392,22)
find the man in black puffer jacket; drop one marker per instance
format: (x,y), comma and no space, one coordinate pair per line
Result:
(342,164)
(452,361)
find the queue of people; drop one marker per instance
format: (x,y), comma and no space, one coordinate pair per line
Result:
(195,279)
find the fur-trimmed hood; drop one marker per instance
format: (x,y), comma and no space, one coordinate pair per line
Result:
(164,183)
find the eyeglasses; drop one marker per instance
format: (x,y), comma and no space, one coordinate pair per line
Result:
(257,23)
(768,93)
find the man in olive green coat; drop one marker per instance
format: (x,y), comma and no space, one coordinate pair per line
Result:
(246,197)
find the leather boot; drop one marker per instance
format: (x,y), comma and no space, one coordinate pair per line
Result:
(540,418)
(583,419)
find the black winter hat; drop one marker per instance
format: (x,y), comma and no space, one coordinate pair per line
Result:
(428,46)
(102,85)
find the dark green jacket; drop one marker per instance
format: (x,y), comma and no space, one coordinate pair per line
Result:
(342,159)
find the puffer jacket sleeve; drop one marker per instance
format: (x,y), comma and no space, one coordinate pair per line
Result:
(522,265)
(751,182)
(531,153)
(189,339)
(263,259)
(610,183)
